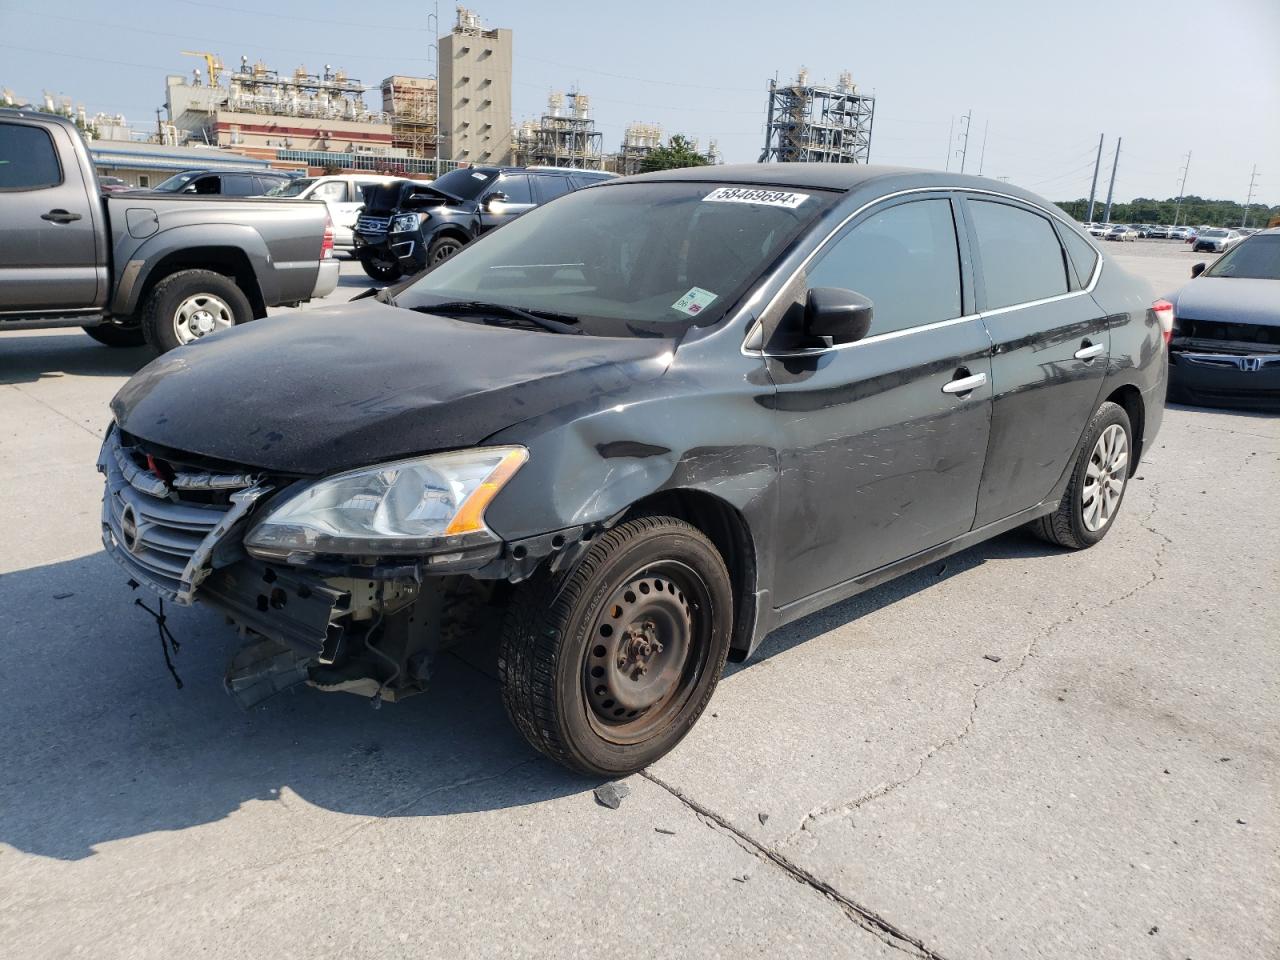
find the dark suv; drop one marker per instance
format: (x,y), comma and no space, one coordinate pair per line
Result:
(409,226)
(227,183)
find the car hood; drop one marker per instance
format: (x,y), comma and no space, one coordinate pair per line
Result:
(324,390)
(1230,300)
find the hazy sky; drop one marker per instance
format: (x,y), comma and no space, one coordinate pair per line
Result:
(1167,75)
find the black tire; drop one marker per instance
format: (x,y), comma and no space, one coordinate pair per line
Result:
(160,309)
(556,627)
(113,335)
(381,268)
(1067,525)
(441,249)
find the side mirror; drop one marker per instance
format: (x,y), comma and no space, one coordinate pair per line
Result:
(834,315)
(1197,270)
(496,197)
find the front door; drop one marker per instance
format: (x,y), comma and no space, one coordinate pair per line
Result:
(1050,348)
(882,452)
(507,197)
(48,246)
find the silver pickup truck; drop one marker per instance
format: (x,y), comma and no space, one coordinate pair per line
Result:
(135,268)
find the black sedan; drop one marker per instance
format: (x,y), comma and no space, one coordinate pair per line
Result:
(633,432)
(1226,337)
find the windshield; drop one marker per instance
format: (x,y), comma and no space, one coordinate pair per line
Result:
(1215,233)
(291,188)
(1258,258)
(176,182)
(464,183)
(636,259)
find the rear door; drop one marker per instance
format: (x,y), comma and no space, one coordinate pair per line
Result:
(1050,345)
(884,453)
(550,185)
(48,248)
(240,185)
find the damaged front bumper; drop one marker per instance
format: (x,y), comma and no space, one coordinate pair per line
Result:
(371,629)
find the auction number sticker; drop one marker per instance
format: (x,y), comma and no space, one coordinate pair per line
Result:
(768,198)
(694,302)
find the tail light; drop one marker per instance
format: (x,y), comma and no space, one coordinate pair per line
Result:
(1163,310)
(326,245)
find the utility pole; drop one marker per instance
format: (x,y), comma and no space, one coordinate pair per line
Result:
(1252,177)
(159,125)
(1111,189)
(1093,188)
(433,24)
(951,136)
(964,152)
(1182,190)
(982,161)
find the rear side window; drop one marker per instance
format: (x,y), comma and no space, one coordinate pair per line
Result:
(27,158)
(1021,257)
(239,185)
(1081,254)
(334,190)
(903,258)
(551,187)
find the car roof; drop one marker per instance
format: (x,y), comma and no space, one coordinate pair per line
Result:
(845,177)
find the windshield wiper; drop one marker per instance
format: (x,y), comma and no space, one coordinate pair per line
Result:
(547,322)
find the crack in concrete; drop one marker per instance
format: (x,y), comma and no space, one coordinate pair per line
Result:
(823,815)
(864,917)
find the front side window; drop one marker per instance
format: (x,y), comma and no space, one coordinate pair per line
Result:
(1021,258)
(904,259)
(27,158)
(515,186)
(632,259)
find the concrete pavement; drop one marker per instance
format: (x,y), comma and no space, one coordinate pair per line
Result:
(1020,752)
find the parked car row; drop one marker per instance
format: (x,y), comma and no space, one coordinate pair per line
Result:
(410,225)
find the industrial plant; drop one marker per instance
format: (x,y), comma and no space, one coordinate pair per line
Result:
(808,123)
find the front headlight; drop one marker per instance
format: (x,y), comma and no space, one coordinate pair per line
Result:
(406,507)
(404,223)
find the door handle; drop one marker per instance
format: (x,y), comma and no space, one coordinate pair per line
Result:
(59,216)
(1089,351)
(965,384)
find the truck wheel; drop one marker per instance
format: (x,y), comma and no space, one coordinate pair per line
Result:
(607,670)
(191,304)
(441,249)
(114,335)
(380,267)
(1098,481)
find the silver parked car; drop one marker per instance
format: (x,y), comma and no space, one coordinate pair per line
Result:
(1121,231)
(1217,240)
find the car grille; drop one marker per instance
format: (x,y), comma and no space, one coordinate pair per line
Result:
(1256,333)
(156,528)
(373,224)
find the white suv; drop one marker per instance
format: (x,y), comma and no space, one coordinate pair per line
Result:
(342,194)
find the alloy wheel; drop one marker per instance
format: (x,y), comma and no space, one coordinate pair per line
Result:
(1104,478)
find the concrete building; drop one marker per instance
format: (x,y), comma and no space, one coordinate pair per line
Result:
(475,92)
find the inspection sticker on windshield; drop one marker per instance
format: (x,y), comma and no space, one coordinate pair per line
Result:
(694,302)
(769,198)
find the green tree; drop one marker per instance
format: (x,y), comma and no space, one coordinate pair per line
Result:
(680,151)
(1193,211)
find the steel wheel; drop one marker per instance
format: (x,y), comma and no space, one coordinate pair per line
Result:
(650,647)
(1104,477)
(200,315)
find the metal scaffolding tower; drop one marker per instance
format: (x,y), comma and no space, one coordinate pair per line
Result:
(817,124)
(562,137)
(411,102)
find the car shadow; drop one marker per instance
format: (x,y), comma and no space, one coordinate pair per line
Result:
(26,359)
(102,746)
